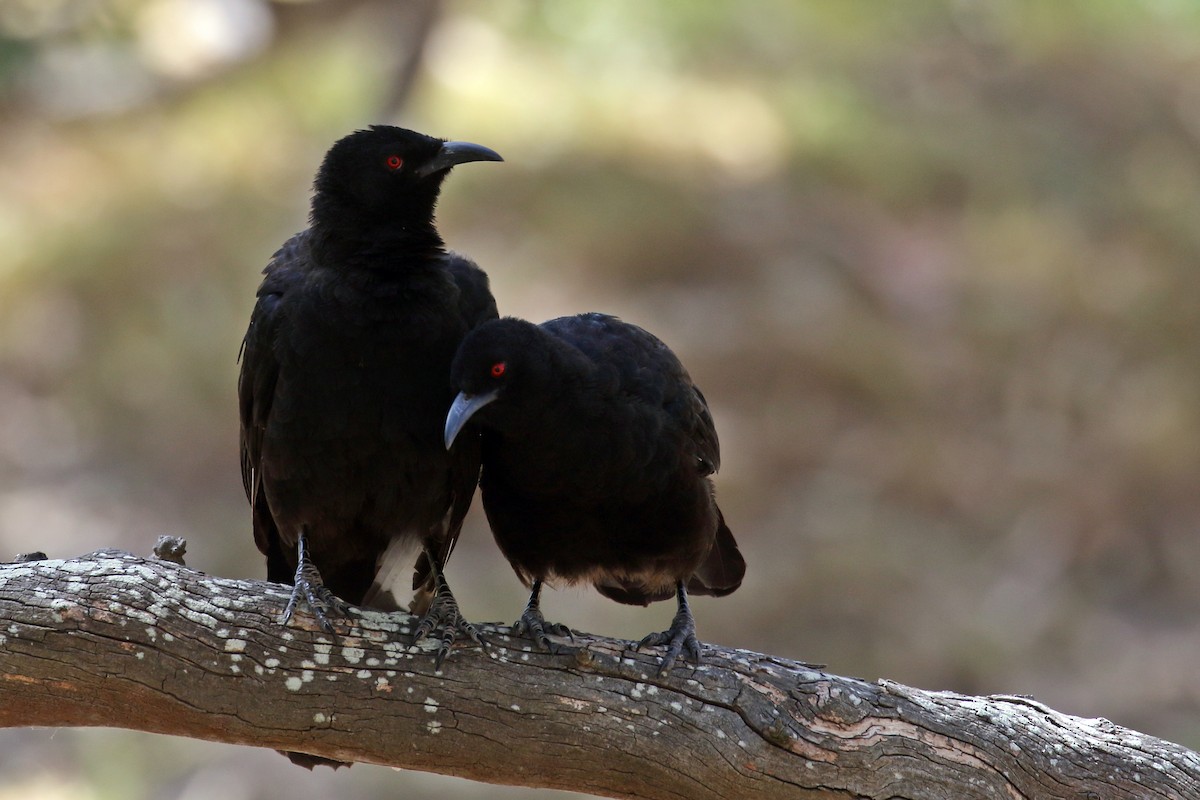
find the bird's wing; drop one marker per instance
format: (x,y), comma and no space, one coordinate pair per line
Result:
(256,391)
(476,305)
(647,369)
(475,295)
(703,432)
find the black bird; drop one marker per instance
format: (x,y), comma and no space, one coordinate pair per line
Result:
(345,383)
(597,452)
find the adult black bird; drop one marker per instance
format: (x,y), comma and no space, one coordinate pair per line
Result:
(597,452)
(345,383)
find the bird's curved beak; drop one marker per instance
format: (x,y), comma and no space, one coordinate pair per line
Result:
(462,409)
(457,153)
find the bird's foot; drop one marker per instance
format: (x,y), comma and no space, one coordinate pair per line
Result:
(534,624)
(444,620)
(679,638)
(323,603)
(307,583)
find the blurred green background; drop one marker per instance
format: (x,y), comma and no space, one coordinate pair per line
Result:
(935,265)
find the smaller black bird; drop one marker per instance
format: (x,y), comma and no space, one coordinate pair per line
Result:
(597,452)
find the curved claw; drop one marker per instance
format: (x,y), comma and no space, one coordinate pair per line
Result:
(680,637)
(307,584)
(535,625)
(444,618)
(677,641)
(324,604)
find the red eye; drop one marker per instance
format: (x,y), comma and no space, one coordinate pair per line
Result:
(498,369)
(395,162)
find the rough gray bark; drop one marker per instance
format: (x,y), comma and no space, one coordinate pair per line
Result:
(112,639)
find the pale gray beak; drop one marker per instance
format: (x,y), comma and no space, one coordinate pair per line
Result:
(462,409)
(457,153)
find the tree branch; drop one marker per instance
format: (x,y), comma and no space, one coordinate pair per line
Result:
(116,640)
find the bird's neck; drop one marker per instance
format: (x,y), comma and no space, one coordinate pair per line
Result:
(387,246)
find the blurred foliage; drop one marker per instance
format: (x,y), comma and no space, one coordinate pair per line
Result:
(934,264)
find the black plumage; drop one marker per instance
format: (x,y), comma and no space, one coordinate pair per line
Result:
(597,452)
(344,385)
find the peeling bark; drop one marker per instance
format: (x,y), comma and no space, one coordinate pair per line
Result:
(115,640)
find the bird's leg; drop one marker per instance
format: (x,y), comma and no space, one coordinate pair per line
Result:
(443,616)
(681,636)
(307,584)
(533,623)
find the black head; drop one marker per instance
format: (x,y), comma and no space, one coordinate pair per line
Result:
(386,175)
(501,360)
